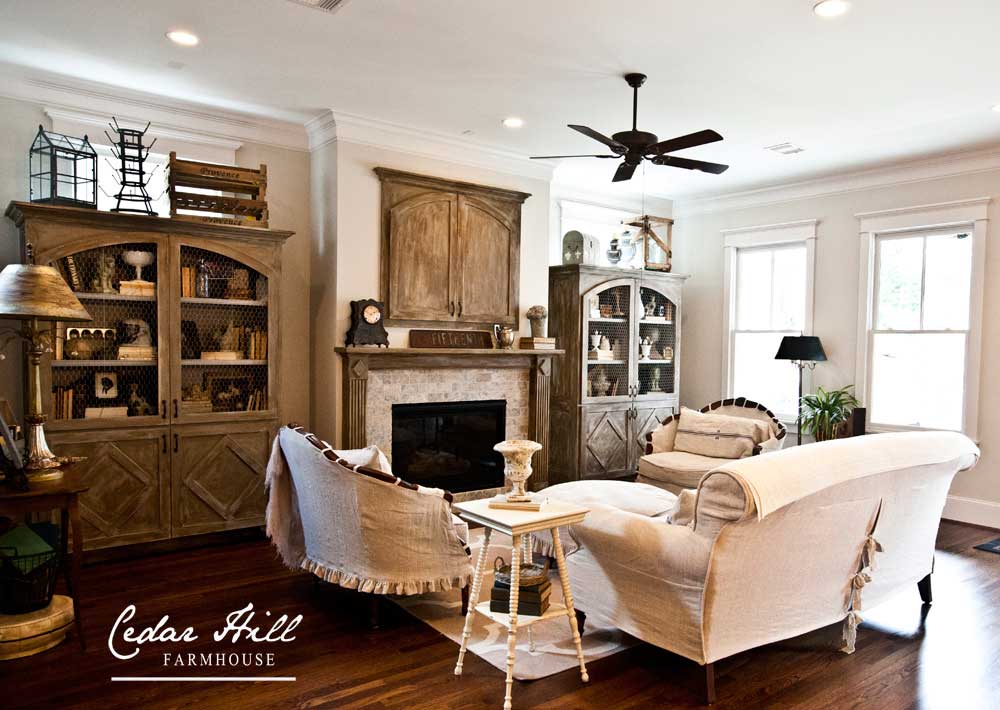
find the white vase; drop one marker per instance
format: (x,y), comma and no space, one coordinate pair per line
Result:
(517,455)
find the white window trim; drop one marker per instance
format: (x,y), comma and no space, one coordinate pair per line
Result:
(802,232)
(969,214)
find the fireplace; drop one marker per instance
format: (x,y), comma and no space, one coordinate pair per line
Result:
(449,444)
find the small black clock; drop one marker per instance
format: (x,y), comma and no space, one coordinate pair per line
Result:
(367,323)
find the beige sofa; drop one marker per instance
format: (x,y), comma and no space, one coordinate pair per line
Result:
(674,471)
(769,548)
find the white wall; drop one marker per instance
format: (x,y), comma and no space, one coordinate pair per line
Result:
(698,251)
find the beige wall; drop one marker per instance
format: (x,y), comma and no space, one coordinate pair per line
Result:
(288,200)
(698,246)
(356,263)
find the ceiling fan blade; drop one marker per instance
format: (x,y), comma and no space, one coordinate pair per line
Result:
(553,157)
(591,133)
(688,164)
(624,172)
(682,142)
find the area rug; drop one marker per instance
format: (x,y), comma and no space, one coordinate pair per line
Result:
(554,649)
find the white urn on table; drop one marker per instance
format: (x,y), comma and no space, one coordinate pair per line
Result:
(517,455)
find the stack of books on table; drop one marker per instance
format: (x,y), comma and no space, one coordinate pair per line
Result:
(531,600)
(500,502)
(136,352)
(537,344)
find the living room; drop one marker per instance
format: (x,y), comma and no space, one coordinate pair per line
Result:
(386,354)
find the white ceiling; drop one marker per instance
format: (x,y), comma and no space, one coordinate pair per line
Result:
(892,80)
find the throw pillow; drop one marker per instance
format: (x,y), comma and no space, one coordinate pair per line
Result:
(716,435)
(370,457)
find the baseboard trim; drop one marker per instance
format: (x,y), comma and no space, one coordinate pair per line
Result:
(972,510)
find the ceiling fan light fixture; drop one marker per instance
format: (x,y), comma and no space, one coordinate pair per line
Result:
(831,8)
(513,122)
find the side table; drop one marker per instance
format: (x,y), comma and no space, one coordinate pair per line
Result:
(519,524)
(62,494)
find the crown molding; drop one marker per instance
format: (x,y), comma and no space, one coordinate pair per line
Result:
(89,102)
(339,127)
(944,166)
(100,121)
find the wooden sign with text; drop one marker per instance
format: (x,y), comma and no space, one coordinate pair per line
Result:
(457,339)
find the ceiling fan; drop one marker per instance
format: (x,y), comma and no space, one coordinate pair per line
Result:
(635,145)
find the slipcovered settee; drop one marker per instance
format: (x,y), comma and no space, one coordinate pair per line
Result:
(767,547)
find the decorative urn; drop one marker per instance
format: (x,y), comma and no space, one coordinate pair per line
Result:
(517,455)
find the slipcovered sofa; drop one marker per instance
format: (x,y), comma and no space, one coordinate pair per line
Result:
(768,548)
(344,516)
(673,470)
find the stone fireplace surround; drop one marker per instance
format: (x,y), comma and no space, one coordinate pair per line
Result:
(377,378)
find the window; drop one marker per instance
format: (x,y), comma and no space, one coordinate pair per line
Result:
(921,314)
(921,311)
(769,296)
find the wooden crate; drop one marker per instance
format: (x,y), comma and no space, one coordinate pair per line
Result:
(244,202)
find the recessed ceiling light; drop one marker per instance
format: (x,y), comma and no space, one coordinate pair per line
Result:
(513,122)
(183,37)
(784,148)
(831,8)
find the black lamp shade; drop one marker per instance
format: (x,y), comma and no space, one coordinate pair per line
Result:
(804,348)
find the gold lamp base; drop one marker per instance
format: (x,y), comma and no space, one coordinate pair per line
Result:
(40,464)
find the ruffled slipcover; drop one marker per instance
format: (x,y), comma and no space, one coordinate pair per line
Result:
(358,527)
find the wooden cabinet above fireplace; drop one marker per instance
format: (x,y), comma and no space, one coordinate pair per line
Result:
(450,251)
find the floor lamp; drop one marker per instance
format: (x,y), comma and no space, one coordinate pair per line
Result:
(804,351)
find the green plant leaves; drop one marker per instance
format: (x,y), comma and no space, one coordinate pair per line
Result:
(821,413)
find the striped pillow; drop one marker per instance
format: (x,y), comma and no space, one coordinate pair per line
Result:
(718,435)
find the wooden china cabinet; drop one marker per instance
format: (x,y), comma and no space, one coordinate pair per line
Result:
(608,391)
(170,391)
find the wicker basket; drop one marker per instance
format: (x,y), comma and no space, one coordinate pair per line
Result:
(27,582)
(531,575)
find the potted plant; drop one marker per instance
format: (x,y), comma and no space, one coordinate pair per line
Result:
(825,414)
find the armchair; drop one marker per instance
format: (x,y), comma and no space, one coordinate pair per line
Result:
(675,471)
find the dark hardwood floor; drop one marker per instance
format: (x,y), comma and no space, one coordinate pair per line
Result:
(950,659)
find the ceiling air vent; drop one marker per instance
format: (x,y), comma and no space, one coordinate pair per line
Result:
(326,5)
(784,148)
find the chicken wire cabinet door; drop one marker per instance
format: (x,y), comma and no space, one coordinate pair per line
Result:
(217,476)
(223,345)
(657,342)
(608,342)
(127,471)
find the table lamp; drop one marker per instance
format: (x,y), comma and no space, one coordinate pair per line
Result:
(34,294)
(804,351)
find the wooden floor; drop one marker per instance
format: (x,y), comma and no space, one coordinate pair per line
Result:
(950,660)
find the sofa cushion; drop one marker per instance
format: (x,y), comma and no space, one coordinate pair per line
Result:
(718,435)
(638,498)
(370,457)
(680,468)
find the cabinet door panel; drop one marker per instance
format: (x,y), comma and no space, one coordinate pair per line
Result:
(487,265)
(126,469)
(421,255)
(605,443)
(217,477)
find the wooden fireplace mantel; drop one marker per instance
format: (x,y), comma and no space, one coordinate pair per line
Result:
(358,361)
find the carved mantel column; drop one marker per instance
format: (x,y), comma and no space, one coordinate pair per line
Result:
(355,398)
(541,377)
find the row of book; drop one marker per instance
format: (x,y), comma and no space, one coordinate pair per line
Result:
(62,402)
(253,342)
(257,401)
(532,600)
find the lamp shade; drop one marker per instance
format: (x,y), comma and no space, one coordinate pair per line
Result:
(32,291)
(804,348)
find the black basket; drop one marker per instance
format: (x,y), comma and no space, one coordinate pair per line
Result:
(27,582)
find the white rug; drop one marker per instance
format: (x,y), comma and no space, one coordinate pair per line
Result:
(554,649)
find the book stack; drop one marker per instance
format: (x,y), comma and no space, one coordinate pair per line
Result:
(537,344)
(500,502)
(137,288)
(253,341)
(136,352)
(531,600)
(62,402)
(187,281)
(601,355)
(196,406)
(257,401)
